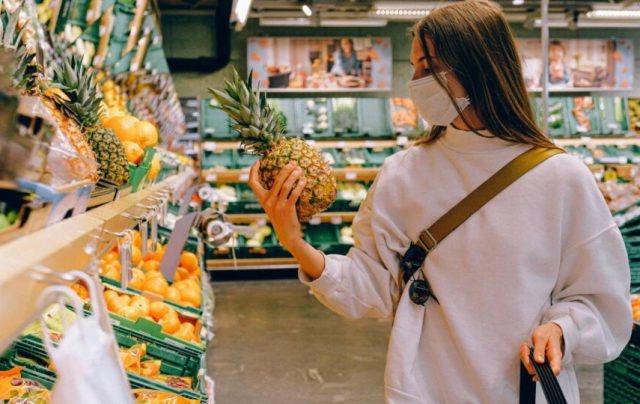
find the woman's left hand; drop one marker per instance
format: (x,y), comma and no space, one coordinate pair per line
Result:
(547,344)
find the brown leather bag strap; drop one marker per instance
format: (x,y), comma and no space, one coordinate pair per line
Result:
(506,176)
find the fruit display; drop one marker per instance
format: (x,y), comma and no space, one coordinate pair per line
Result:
(262,134)
(16,389)
(634,114)
(404,116)
(345,115)
(635,306)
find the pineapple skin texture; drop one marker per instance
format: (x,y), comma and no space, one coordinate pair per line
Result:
(320,191)
(110,155)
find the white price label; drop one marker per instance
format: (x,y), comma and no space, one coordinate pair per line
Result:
(311,142)
(261,222)
(336,220)
(315,220)
(209,146)
(351,175)
(341,145)
(585,139)
(588,160)
(212,177)
(402,140)
(622,160)
(102,31)
(244,177)
(369,144)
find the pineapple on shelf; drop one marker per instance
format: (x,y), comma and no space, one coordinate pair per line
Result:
(261,133)
(78,105)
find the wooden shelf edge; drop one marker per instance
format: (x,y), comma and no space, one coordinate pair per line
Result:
(223,176)
(251,263)
(324,217)
(319,144)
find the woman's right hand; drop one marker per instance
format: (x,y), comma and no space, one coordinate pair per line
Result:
(280,202)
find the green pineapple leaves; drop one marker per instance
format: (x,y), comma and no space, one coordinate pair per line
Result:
(255,121)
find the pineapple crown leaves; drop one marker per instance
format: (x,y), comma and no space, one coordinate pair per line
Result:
(256,122)
(10,32)
(78,96)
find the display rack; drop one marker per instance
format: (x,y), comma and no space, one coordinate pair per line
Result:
(225,176)
(65,246)
(324,217)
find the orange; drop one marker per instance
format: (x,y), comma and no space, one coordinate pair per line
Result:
(173,295)
(137,239)
(154,170)
(133,151)
(151,265)
(130,312)
(126,299)
(112,273)
(110,257)
(147,134)
(189,261)
(156,285)
(136,283)
(116,304)
(109,295)
(159,254)
(181,274)
(124,127)
(142,304)
(137,272)
(153,274)
(185,332)
(170,322)
(192,296)
(157,310)
(80,290)
(136,255)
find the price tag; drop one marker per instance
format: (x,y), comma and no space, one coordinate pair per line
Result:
(103,30)
(311,142)
(244,177)
(315,220)
(209,146)
(90,15)
(585,139)
(341,145)
(336,220)
(351,175)
(212,177)
(369,144)
(261,222)
(588,160)
(622,160)
(402,140)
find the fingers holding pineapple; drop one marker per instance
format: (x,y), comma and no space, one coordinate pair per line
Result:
(280,202)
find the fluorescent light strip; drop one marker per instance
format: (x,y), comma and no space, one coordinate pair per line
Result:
(242,10)
(360,22)
(307,10)
(396,12)
(614,14)
(518,2)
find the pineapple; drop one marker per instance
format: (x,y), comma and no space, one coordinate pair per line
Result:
(262,133)
(76,104)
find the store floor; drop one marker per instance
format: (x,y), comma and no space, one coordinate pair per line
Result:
(275,343)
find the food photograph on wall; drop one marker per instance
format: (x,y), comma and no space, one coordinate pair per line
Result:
(350,64)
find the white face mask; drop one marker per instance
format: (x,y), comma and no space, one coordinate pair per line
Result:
(433,102)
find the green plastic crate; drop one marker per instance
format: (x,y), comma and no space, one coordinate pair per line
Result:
(372,116)
(218,158)
(613,115)
(138,174)
(215,123)
(591,128)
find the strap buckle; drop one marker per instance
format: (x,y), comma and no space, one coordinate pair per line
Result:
(427,242)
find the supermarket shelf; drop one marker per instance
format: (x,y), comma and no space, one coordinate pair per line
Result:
(223,176)
(60,248)
(599,141)
(324,217)
(320,144)
(252,264)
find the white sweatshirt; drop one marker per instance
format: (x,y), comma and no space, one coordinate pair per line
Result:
(545,249)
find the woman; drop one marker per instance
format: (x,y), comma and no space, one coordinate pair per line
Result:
(542,263)
(345,59)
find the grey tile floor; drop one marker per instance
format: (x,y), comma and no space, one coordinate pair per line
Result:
(277,344)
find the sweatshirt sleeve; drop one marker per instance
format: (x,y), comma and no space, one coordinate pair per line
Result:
(590,300)
(357,285)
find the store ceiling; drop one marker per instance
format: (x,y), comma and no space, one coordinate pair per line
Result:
(361,9)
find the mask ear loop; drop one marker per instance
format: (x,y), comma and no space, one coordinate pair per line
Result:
(425,50)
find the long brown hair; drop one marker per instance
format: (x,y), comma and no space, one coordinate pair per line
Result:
(473,39)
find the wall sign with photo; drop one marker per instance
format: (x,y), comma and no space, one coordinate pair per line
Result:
(344,64)
(580,64)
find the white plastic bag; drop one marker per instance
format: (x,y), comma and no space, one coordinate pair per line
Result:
(87,360)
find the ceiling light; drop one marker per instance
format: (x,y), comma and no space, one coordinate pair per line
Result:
(353,22)
(518,2)
(284,22)
(401,12)
(614,14)
(241,10)
(307,10)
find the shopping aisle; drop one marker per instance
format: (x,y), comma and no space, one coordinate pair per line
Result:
(276,344)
